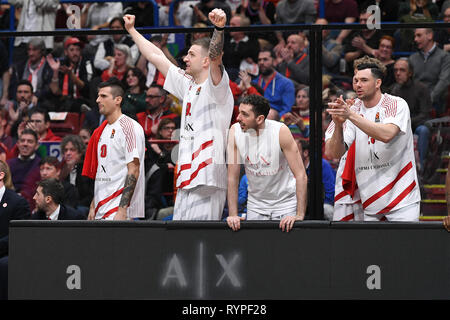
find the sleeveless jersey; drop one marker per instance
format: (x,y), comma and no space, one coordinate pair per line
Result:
(118,145)
(205,120)
(271,183)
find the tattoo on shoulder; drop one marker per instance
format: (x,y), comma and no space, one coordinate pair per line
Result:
(128,190)
(216,45)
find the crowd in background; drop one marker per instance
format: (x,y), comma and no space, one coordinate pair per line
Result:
(61,74)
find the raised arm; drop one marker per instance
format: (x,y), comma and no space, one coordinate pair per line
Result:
(218,19)
(151,52)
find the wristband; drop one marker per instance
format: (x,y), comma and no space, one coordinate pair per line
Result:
(219,28)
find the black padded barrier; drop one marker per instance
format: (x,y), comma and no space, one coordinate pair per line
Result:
(208,261)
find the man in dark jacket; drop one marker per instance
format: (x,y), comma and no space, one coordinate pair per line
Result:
(49,195)
(12,207)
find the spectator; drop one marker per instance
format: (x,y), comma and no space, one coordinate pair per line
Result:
(331,51)
(155,111)
(98,15)
(293,12)
(159,166)
(182,13)
(40,123)
(135,93)
(25,167)
(328,178)
(12,207)
(361,42)
(73,151)
(5,138)
(50,168)
(417,95)
(71,77)
(443,35)
(36,70)
(298,118)
(36,15)
(242,50)
(278,89)
(85,134)
(49,202)
(143,11)
(18,109)
(204,7)
(413,11)
(260,12)
(152,74)
(120,64)
(104,56)
(295,59)
(432,67)
(341,11)
(384,54)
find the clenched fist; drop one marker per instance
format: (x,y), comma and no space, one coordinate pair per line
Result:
(129,20)
(218,17)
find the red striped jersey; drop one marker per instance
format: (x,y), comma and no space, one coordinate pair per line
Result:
(205,120)
(118,145)
(385,172)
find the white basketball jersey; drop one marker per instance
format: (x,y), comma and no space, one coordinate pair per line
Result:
(271,183)
(385,172)
(119,144)
(205,120)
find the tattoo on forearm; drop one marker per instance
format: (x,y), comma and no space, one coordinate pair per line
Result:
(216,45)
(128,190)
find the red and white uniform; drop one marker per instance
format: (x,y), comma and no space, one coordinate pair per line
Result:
(118,145)
(205,120)
(386,172)
(346,207)
(271,183)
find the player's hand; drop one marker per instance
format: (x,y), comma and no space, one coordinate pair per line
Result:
(129,20)
(218,17)
(446,222)
(287,223)
(339,110)
(121,214)
(234,222)
(91,215)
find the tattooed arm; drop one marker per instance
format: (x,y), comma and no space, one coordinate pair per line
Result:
(128,190)
(218,18)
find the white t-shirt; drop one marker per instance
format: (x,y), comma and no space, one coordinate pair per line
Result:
(205,120)
(385,172)
(118,145)
(271,183)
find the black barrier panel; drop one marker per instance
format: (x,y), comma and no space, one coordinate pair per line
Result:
(174,260)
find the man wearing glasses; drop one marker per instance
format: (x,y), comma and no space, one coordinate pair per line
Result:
(156,98)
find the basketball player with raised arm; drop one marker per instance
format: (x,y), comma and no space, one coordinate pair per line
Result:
(115,159)
(206,117)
